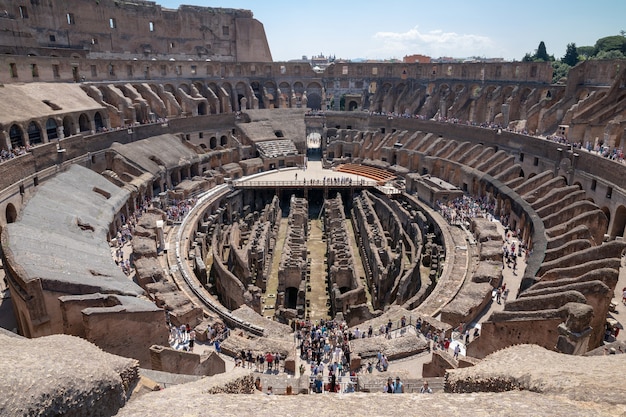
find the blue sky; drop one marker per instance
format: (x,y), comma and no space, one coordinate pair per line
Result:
(458,28)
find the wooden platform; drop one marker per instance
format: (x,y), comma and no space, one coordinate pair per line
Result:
(377,174)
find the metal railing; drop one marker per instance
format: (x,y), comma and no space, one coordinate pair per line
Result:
(303,183)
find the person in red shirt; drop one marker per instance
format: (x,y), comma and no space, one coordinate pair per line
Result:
(269,358)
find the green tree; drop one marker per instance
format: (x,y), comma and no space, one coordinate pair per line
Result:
(610,43)
(542,53)
(585,52)
(614,54)
(560,72)
(571,55)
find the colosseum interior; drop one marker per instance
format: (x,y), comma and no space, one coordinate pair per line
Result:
(258,196)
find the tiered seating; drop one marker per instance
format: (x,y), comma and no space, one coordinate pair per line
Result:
(276,148)
(377,174)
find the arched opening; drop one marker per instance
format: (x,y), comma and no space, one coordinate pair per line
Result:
(16,136)
(314,101)
(51,129)
(619,223)
(97,119)
(10,213)
(607,213)
(256,88)
(352,106)
(202,109)
(68,126)
(223,140)
(34,134)
(291,297)
(213,142)
(83,123)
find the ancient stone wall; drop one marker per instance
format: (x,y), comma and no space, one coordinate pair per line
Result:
(144,29)
(293,262)
(175,361)
(346,288)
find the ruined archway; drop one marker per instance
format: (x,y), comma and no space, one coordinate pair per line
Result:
(619,222)
(68,126)
(51,129)
(291,297)
(202,108)
(97,119)
(10,213)
(16,136)
(83,123)
(34,134)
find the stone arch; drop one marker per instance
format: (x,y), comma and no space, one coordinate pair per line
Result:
(216,91)
(68,126)
(353,105)
(619,222)
(241,91)
(213,142)
(98,121)
(285,93)
(227,88)
(83,122)
(607,213)
(202,108)
(314,94)
(258,93)
(223,140)
(10,213)
(184,87)
(270,94)
(16,135)
(34,133)
(524,94)
(52,129)
(298,91)
(169,88)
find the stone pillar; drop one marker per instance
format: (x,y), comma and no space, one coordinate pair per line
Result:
(505,114)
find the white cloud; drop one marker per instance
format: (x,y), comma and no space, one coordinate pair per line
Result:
(435,43)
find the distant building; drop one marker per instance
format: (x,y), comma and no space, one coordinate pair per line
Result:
(416,59)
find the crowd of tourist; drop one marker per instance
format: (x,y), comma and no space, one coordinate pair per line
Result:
(5,155)
(325,348)
(182,338)
(462,209)
(268,362)
(178,209)
(615,154)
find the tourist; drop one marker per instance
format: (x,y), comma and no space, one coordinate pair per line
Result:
(398,387)
(426,389)
(257,384)
(457,350)
(192,339)
(270,391)
(388,387)
(269,358)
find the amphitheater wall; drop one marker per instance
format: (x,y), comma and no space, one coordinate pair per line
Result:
(228,285)
(440,363)
(187,363)
(140,29)
(125,332)
(495,336)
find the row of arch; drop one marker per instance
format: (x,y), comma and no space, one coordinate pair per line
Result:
(36,132)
